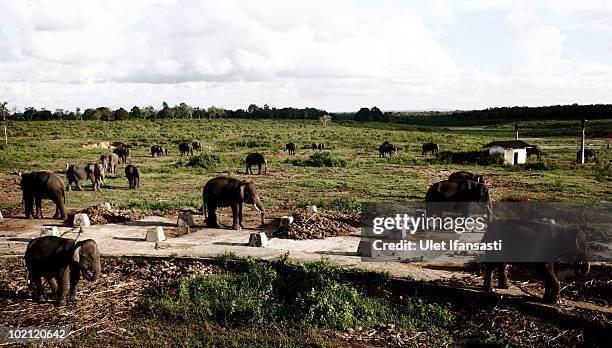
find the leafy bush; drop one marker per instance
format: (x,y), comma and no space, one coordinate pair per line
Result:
(282,293)
(321,159)
(251,143)
(206,161)
(602,171)
(467,157)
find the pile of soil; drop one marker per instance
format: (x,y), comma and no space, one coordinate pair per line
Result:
(308,225)
(102,216)
(102,306)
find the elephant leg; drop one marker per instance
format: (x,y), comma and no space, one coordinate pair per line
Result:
(78,184)
(53,284)
(235,209)
(488,275)
(63,284)
(259,169)
(551,283)
(29,207)
(60,210)
(246,171)
(137,184)
(38,288)
(38,204)
(502,276)
(240,215)
(211,220)
(75,275)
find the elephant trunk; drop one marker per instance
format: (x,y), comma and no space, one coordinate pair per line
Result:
(260,208)
(93,273)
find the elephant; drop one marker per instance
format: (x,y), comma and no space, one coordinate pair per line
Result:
(185,149)
(452,191)
(534,150)
(313,146)
(62,262)
(291,148)
(588,153)
(158,151)
(77,172)
(110,162)
(459,176)
(123,153)
(196,146)
(430,147)
(386,148)
(132,173)
(256,159)
(321,147)
(530,242)
(225,191)
(99,174)
(39,185)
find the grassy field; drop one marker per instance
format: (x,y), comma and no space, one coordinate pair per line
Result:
(170,183)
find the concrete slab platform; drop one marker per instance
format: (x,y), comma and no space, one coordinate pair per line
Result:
(129,240)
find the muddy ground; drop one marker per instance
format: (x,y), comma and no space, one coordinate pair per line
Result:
(107,306)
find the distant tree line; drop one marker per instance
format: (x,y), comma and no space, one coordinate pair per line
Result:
(373,114)
(181,111)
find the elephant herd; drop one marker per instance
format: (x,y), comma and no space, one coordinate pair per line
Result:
(388,148)
(62,261)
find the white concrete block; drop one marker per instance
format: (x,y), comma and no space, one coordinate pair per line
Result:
(156,235)
(258,239)
(286,220)
(106,206)
(311,208)
(49,231)
(185,219)
(1,217)
(81,220)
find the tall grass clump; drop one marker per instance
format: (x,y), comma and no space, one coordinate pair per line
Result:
(321,159)
(285,294)
(205,160)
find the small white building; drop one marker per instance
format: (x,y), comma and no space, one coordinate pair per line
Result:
(513,151)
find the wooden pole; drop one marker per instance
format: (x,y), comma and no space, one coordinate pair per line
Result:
(582,141)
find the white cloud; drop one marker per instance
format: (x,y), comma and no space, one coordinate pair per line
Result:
(443,12)
(338,55)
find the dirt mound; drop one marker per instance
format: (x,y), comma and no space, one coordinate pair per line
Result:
(102,216)
(102,305)
(308,225)
(99,145)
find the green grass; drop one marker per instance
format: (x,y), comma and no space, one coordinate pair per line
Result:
(287,297)
(350,168)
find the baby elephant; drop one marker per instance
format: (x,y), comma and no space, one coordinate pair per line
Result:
(256,159)
(133,175)
(61,261)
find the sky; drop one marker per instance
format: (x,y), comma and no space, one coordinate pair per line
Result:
(335,55)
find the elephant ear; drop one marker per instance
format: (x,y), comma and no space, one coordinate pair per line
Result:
(18,179)
(241,190)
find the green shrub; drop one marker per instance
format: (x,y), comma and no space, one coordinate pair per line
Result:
(602,171)
(251,143)
(282,293)
(206,161)
(467,157)
(321,159)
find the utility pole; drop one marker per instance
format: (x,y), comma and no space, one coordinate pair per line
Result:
(516,130)
(5,136)
(582,141)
